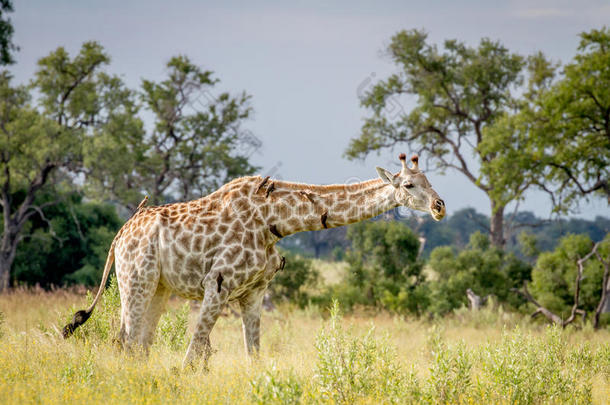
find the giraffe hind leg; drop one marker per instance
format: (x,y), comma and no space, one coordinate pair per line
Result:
(138,290)
(151,316)
(251,306)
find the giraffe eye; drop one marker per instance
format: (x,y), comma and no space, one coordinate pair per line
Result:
(409,185)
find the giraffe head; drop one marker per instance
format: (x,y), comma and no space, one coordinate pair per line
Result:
(412,188)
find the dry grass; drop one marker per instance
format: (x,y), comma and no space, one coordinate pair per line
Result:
(37,365)
(330,272)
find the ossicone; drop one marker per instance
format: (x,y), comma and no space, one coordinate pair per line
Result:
(414,163)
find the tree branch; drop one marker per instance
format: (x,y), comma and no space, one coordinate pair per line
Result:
(575,310)
(605,290)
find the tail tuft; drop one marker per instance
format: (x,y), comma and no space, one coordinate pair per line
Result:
(79,318)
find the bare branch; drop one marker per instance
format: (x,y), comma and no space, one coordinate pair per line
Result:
(539,308)
(575,310)
(605,290)
(38,210)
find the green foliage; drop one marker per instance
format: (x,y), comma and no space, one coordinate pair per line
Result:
(7,47)
(172,331)
(554,274)
(450,371)
(105,319)
(463,96)
(559,140)
(45,144)
(193,151)
(383,267)
(275,387)
(292,282)
(69,249)
(350,368)
(575,114)
(483,268)
(528,244)
(525,370)
(81,119)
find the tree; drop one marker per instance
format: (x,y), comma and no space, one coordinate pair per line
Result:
(553,279)
(197,143)
(46,144)
(71,247)
(7,47)
(575,116)
(460,94)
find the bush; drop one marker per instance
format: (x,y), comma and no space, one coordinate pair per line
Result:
(450,371)
(72,249)
(525,370)
(383,268)
(173,328)
(105,319)
(291,282)
(553,277)
(274,387)
(349,369)
(483,268)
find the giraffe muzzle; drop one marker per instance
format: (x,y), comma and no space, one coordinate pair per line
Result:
(437,209)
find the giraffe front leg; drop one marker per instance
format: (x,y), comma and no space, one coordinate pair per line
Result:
(251,321)
(214,299)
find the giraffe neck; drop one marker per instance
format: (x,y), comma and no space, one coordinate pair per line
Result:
(319,207)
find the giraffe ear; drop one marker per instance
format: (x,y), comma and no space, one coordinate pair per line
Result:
(386,176)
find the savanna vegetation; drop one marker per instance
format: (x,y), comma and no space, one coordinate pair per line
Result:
(308,356)
(376,311)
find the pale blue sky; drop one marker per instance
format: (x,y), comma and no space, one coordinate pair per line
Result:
(302,62)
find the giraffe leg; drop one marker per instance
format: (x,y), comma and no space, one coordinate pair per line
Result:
(251,321)
(214,299)
(138,291)
(151,316)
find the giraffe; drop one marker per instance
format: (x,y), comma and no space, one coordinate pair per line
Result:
(221,247)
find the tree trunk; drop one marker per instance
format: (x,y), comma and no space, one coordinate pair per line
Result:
(8,248)
(476,302)
(496,229)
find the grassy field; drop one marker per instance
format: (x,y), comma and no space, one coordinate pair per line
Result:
(308,356)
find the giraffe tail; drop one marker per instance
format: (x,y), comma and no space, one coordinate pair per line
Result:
(80,317)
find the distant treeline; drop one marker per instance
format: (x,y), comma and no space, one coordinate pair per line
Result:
(455,230)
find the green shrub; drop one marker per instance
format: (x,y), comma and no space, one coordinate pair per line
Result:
(275,387)
(173,328)
(350,368)
(450,372)
(553,277)
(383,267)
(291,282)
(105,319)
(71,248)
(524,369)
(483,268)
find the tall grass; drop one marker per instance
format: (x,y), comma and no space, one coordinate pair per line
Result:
(490,357)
